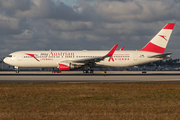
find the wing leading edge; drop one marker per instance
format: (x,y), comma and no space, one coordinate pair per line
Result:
(97,59)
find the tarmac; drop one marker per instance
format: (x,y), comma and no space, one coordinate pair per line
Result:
(96,77)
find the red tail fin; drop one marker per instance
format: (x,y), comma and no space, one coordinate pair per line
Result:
(159,42)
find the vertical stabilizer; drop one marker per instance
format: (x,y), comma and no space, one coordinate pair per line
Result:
(159,42)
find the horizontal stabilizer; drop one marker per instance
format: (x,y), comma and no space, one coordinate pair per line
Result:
(161,55)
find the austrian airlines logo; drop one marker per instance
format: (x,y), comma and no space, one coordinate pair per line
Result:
(32,55)
(111,58)
(163,37)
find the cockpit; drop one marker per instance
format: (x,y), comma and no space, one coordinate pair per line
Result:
(9,56)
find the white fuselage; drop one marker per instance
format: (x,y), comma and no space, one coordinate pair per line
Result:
(53,58)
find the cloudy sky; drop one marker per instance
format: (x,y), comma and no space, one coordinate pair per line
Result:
(85,24)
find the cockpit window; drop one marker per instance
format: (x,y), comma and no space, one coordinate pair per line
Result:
(9,56)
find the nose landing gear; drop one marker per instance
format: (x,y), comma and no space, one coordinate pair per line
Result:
(16,69)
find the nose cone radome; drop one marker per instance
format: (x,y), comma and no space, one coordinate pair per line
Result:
(6,60)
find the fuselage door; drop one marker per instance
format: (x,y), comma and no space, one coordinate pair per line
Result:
(20,57)
(135,57)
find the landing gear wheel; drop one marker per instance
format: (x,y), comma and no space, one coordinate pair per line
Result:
(17,71)
(88,71)
(91,71)
(85,71)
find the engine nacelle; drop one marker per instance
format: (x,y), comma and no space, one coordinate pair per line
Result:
(66,66)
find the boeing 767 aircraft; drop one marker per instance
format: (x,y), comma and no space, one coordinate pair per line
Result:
(70,60)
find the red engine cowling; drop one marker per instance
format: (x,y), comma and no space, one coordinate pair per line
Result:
(65,66)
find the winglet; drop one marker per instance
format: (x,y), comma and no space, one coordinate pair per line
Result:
(122,49)
(111,52)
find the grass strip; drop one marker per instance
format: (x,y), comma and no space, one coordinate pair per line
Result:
(89,101)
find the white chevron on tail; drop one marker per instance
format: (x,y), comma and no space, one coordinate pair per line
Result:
(159,42)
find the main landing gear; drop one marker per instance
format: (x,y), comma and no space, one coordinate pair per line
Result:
(88,71)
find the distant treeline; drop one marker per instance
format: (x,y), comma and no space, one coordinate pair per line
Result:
(169,62)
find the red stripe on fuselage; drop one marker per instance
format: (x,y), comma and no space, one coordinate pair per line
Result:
(150,47)
(32,55)
(169,26)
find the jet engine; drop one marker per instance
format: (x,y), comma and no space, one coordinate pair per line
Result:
(66,66)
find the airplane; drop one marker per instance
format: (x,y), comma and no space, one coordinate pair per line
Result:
(71,60)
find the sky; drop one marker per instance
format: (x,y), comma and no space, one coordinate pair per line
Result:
(85,24)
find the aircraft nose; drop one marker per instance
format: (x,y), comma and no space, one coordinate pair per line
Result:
(6,60)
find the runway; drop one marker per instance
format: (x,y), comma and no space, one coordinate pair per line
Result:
(97,77)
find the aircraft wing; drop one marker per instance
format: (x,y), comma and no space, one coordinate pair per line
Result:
(164,55)
(97,59)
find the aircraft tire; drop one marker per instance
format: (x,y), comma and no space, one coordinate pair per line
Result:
(91,71)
